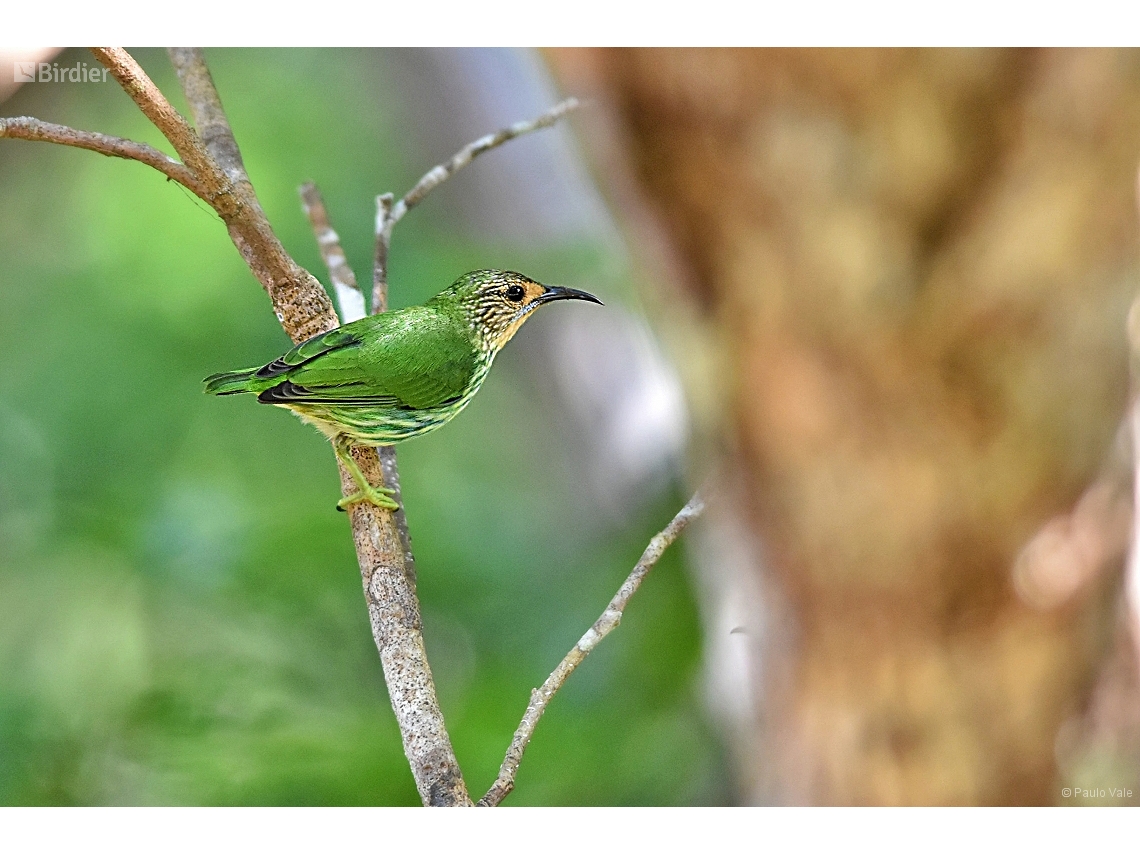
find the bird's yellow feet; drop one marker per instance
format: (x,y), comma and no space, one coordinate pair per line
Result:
(378,496)
(381,496)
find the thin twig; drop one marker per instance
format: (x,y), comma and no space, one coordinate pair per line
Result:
(437,175)
(603,626)
(388,214)
(206,106)
(27,128)
(384,226)
(348,294)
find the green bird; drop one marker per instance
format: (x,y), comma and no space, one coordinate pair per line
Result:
(386,378)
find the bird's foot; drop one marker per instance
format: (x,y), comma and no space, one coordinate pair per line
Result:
(381,497)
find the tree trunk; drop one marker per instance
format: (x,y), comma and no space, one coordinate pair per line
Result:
(918,265)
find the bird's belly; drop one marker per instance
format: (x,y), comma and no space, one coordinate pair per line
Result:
(376,425)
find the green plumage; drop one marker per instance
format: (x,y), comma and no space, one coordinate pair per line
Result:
(389,377)
(380,380)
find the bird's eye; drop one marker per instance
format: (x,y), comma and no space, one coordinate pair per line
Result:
(515,293)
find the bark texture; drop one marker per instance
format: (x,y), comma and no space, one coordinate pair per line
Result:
(919,265)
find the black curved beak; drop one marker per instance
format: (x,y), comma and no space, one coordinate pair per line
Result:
(557,292)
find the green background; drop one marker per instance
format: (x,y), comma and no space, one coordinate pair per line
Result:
(181,619)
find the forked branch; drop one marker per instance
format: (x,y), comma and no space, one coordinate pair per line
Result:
(149,98)
(389,212)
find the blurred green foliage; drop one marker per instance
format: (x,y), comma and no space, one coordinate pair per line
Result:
(181,620)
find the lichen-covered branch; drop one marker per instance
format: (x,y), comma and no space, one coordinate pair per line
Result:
(27,128)
(389,213)
(540,698)
(389,578)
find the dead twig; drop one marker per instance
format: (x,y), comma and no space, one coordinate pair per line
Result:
(389,213)
(384,227)
(540,698)
(349,297)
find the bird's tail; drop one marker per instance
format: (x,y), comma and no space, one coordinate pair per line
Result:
(231,382)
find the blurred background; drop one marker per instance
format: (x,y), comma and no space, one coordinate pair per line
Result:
(882,293)
(912,271)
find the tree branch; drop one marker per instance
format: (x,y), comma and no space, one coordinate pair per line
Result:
(299,301)
(389,578)
(387,453)
(348,294)
(388,572)
(390,551)
(301,305)
(603,626)
(388,214)
(206,108)
(27,128)
(161,113)
(384,226)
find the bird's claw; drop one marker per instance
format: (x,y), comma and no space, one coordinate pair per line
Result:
(378,496)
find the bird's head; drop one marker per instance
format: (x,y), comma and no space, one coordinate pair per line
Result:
(496,302)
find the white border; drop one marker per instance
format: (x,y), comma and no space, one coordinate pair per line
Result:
(573,22)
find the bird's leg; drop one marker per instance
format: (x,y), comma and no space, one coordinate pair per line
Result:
(378,496)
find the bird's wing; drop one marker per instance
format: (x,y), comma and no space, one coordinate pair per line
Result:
(309,350)
(412,359)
